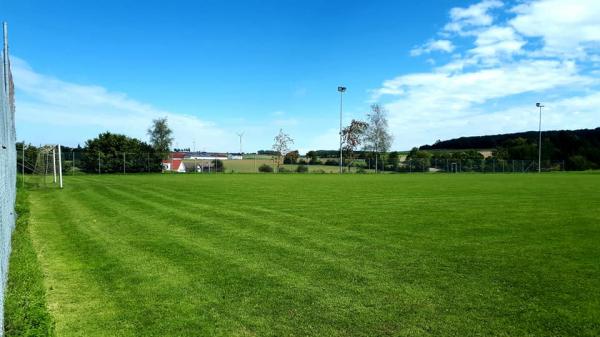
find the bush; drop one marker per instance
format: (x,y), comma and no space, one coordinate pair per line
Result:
(302,169)
(302,162)
(282,169)
(332,162)
(361,170)
(265,168)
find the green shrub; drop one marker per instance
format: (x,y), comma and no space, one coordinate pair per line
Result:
(302,169)
(265,168)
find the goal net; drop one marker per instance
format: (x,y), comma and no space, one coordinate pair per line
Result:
(47,169)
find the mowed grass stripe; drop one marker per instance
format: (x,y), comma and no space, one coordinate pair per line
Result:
(328,255)
(75,298)
(139,268)
(249,269)
(285,275)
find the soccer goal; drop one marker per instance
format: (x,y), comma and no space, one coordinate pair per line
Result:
(48,168)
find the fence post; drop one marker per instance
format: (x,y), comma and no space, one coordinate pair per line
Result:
(522,166)
(23,166)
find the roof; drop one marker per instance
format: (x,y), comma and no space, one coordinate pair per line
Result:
(177,155)
(175,165)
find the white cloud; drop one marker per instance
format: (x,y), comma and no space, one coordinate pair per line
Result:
(495,42)
(472,16)
(462,96)
(433,45)
(460,90)
(567,27)
(52,110)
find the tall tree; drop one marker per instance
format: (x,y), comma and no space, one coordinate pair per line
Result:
(352,137)
(377,137)
(282,146)
(110,153)
(160,136)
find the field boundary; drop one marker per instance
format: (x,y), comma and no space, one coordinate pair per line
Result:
(26,311)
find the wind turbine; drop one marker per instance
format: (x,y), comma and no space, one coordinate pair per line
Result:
(240,134)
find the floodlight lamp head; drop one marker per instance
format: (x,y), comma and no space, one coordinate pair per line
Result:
(539,105)
(341,89)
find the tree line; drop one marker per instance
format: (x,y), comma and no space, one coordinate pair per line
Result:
(110,152)
(580,149)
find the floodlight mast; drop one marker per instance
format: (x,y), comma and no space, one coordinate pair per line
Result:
(539,105)
(341,89)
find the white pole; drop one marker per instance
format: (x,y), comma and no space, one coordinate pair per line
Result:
(341,139)
(540,143)
(54,164)
(60,168)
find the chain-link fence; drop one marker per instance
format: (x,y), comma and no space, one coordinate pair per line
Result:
(35,160)
(489,165)
(8,174)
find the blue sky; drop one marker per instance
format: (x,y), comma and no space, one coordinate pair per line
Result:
(441,68)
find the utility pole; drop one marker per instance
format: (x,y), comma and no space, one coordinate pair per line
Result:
(341,90)
(539,105)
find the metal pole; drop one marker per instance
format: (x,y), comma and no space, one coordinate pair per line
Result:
(540,141)
(5,59)
(341,140)
(54,165)
(60,178)
(23,166)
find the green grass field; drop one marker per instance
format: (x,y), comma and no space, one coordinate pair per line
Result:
(321,255)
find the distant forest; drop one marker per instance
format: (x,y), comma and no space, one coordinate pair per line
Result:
(579,148)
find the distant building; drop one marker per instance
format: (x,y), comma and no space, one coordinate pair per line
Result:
(206,155)
(174,165)
(175,162)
